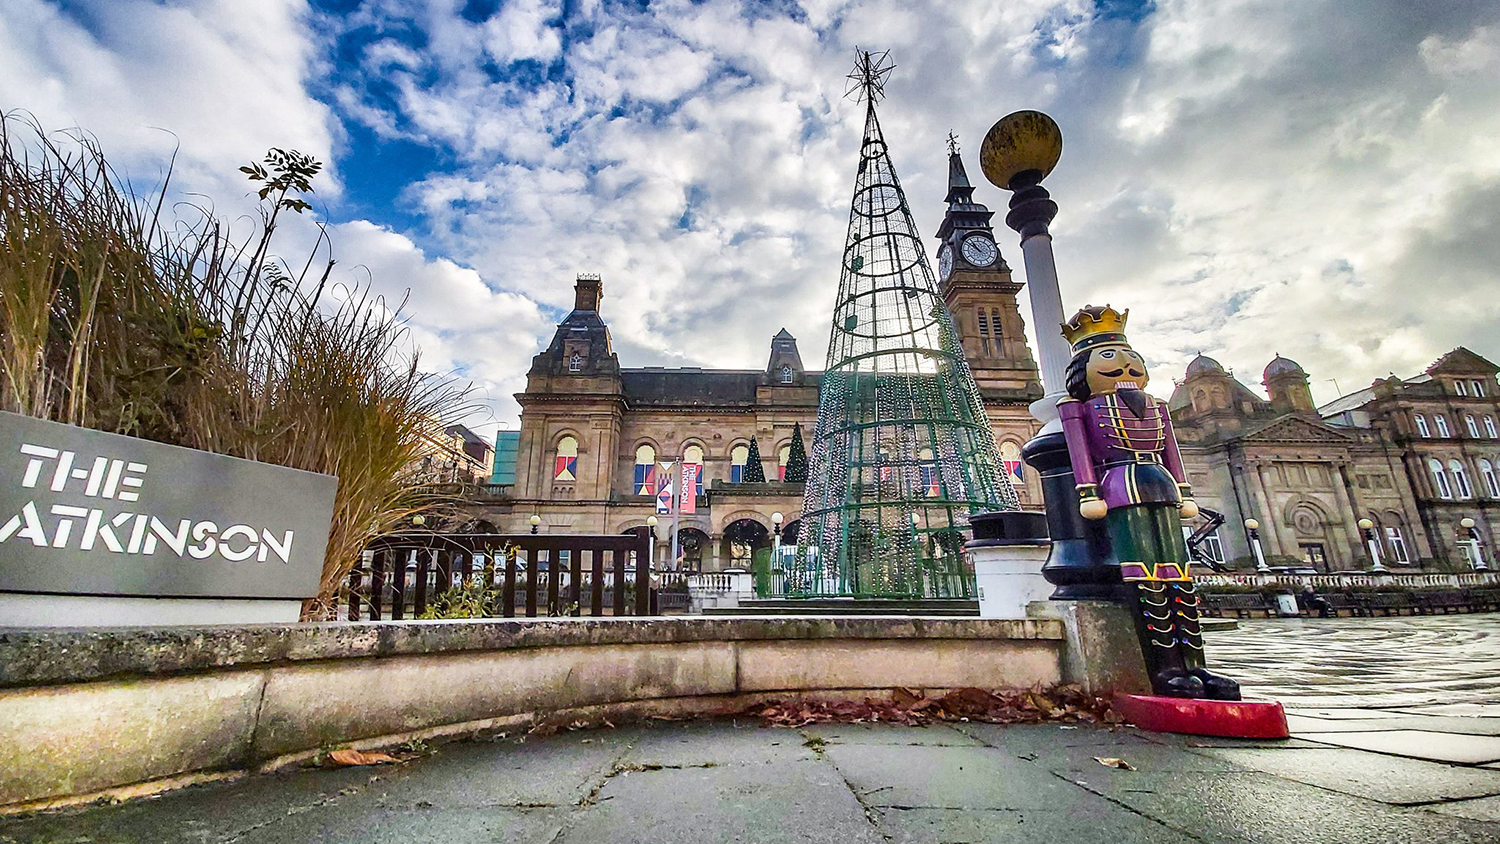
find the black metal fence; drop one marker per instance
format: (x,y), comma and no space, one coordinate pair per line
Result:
(506,576)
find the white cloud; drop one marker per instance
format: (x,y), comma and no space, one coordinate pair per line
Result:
(1249,178)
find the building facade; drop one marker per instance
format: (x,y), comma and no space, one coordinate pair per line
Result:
(593,433)
(1415,456)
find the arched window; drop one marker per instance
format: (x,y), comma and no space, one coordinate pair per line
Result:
(645,470)
(1200,399)
(1461,479)
(1442,425)
(786,373)
(1439,478)
(1397,544)
(1461,388)
(693,456)
(565,465)
(1421,424)
(575,362)
(1010,458)
(995,327)
(1478,388)
(738,457)
(984,331)
(782,457)
(1491,483)
(1489,428)
(1472,426)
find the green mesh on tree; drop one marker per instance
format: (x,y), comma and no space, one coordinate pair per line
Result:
(903,453)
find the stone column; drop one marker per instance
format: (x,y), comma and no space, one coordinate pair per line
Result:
(1270,532)
(1357,546)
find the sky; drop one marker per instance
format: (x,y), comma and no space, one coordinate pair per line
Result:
(1314,178)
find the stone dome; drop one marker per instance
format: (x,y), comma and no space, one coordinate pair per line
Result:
(1282,366)
(1204,365)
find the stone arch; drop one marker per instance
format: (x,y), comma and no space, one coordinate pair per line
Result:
(1200,399)
(736,515)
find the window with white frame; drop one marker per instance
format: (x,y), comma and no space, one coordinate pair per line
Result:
(786,373)
(1421,424)
(739,456)
(1478,387)
(1397,544)
(1472,425)
(575,362)
(1461,479)
(1439,478)
(1487,474)
(1442,425)
(1489,428)
(1461,387)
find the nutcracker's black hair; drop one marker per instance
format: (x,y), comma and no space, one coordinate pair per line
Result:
(1076,377)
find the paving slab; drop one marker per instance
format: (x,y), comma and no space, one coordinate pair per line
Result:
(932,735)
(1340,714)
(1389,779)
(1265,809)
(1422,744)
(800,799)
(1467,710)
(1479,809)
(1308,725)
(947,778)
(1096,823)
(719,743)
(357,824)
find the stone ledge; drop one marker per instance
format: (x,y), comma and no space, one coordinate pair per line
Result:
(119,710)
(39,657)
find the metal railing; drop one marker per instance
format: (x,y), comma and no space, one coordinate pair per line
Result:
(403,575)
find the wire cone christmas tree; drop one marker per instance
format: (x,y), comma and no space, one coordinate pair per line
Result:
(903,453)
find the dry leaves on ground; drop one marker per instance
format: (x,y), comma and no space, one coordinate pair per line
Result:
(1065,704)
(350,758)
(1113,762)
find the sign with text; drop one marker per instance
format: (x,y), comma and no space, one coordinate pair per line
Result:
(91,513)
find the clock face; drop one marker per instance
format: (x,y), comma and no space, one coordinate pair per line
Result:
(980,250)
(945,261)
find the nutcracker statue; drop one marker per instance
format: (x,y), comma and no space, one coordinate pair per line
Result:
(1129,472)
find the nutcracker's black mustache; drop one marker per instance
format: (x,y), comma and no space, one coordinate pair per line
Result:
(1116,373)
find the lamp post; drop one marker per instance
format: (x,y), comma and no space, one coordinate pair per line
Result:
(535,520)
(1252,529)
(776,519)
(1018,152)
(1476,554)
(1367,527)
(651,523)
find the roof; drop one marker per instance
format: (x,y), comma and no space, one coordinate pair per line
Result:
(1203,364)
(1281,366)
(690,387)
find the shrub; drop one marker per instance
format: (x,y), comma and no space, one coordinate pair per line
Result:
(117,317)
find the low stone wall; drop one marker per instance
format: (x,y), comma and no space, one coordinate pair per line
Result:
(91,713)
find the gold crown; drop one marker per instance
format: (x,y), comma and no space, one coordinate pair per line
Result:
(1093,325)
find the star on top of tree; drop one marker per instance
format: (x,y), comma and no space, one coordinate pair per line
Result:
(867,80)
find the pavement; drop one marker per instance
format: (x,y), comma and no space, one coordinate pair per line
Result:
(1357,689)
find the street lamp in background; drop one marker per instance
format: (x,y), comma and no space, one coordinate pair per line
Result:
(535,520)
(776,519)
(1367,527)
(651,523)
(1252,529)
(1476,554)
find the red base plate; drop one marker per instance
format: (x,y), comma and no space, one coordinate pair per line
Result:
(1228,718)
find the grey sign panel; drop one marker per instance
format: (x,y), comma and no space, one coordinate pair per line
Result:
(90,513)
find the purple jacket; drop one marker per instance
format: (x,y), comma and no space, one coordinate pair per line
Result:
(1133,459)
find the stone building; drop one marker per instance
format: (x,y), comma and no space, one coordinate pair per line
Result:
(1443,424)
(1308,474)
(593,432)
(1414,456)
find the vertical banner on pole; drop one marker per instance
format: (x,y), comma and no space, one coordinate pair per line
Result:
(664,490)
(689,503)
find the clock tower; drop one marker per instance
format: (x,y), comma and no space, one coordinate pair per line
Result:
(976,286)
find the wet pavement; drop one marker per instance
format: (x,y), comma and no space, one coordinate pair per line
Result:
(726,781)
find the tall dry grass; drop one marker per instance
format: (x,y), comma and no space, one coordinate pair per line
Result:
(118,317)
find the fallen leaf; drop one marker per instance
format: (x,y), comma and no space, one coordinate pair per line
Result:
(1112,762)
(351,758)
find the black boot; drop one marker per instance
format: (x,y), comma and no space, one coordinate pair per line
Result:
(1217,686)
(1176,683)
